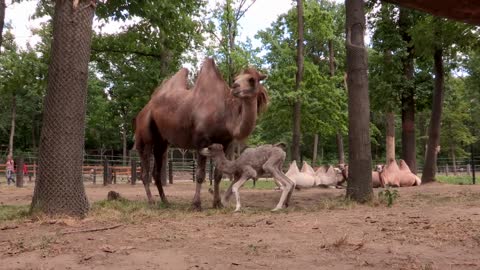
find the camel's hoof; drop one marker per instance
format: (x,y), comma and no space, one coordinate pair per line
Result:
(217,205)
(237,210)
(276,209)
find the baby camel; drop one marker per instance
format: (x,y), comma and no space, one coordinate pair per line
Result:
(252,163)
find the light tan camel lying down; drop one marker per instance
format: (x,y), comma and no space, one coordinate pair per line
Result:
(252,163)
(307,177)
(395,176)
(302,179)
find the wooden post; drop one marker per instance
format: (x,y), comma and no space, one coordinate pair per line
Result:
(94,176)
(19,180)
(114,175)
(473,164)
(133,172)
(105,172)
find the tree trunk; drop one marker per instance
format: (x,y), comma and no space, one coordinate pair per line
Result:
(315,148)
(407,99)
(454,160)
(359,185)
(298,81)
(341,155)
(59,188)
(429,169)
(390,120)
(124,145)
(3,6)
(19,162)
(12,126)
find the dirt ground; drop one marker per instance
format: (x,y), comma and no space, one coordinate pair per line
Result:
(435,226)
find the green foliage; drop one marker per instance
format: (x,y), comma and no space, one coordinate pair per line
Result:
(456,180)
(323,97)
(388,196)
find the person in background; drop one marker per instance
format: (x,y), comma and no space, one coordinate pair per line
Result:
(10,169)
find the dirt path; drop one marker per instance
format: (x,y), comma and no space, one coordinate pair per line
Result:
(434,226)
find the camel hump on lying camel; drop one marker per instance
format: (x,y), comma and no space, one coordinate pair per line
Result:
(307,169)
(301,179)
(394,175)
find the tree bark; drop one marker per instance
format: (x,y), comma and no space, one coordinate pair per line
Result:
(3,6)
(19,161)
(59,188)
(359,187)
(407,99)
(298,81)
(390,121)
(12,126)
(315,148)
(429,170)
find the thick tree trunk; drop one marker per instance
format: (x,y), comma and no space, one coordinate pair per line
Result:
(429,170)
(12,125)
(298,81)
(359,187)
(390,121)
(59,188)
(3,6)
(407,99)
(315,148)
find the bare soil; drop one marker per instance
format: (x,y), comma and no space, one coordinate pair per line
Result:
(435,226)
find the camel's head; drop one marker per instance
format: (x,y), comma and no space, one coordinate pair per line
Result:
(379,167)
(247,84)
(212,150)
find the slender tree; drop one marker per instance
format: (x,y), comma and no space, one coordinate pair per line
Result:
(298,80)
(59,188)
(430,168)
(359,186)
(3,6)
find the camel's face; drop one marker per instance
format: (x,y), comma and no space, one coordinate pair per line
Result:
(212,150)
(246,84)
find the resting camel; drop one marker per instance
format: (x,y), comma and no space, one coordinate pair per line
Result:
(327,177)
(252,163)
(210,112)
(301,179)
(399,176)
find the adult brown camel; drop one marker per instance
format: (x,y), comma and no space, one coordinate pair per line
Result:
(210,112)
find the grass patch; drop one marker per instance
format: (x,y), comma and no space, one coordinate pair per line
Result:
(456,180)
(262,183)
(12,212)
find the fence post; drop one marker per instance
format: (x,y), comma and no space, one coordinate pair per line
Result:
(19,180)
(105,172)
(114,175)
(468,169)
(446,169)
(170,171)
(163,171)
(94,175)
(193,170)
(133,172)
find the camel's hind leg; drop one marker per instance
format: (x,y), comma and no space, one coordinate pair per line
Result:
(145,151)
(159,151)
(272,167)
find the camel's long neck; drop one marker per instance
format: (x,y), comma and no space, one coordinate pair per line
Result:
(246,120)
(223,164)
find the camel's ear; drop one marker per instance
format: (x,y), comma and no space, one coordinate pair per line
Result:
(261,77)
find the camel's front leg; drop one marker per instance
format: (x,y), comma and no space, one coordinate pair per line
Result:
(200,177)
(235,190)
(217,178)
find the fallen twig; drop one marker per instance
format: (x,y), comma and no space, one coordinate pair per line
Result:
(9,227)
(93,230)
